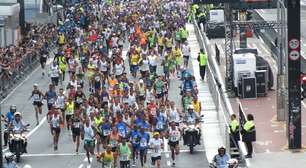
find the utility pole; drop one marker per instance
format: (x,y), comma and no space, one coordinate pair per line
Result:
(279,42)
(294,72)
(21,17)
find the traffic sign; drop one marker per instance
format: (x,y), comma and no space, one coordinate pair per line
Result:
(294,55)
(294,44)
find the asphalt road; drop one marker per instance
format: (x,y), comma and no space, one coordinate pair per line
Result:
(40,148)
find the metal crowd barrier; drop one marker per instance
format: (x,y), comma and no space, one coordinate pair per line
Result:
(9,79)
(218,92)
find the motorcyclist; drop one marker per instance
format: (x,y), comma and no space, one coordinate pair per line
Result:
(7,119)
(9,157)
(17,126)
(192,118)
(221,159)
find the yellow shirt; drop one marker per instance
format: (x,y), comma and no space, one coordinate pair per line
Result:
(177,52)
(135,59)
(160,40)
(196,106)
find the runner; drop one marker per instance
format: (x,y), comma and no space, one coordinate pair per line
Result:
(144,145)
(54,120)
(174,136)
(37,97)
(89,140)
(156,145)
(106,158)
(77,122)
(124,153)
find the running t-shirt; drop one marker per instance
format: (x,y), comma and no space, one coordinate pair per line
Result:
(156,145)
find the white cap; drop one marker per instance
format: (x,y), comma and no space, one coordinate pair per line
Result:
(140,81)
(190,107)
(35,84)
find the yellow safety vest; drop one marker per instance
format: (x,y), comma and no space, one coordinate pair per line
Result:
(248,125)
(233,125)
(98,121)
(62,63)
(70,108)
(203,59)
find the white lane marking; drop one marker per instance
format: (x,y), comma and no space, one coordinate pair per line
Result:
(52,154)
(88,166)
(86,160)
(81,166)
(21,83)
(27,166)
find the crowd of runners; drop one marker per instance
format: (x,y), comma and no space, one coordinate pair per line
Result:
(110,79)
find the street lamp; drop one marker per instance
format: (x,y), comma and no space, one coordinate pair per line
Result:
(1,152)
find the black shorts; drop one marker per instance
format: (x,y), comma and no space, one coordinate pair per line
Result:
(76,132)
(154,159)
(141,98)
(37,103)
(57,130)
(173,144)
(159,96)
(43,60)
(54,80)
(50,105)
(68,117)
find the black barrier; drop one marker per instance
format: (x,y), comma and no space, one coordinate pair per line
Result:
(242,117)
(217,54)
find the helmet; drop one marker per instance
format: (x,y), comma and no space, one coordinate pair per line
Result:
(9,156)
(13,108)
(17,113)
(221,148)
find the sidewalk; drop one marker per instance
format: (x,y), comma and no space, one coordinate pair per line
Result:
(210,128)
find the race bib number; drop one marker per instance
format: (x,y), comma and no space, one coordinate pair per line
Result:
(51,100)
(79,100)
(124,157)
(106,132)
(76,124)
(122,133)
(113,143)
(135,140)
(159,125)
(143,143)
(173,138)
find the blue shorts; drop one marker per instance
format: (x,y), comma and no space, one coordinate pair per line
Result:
(134,68)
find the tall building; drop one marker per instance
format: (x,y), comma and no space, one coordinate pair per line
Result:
(9,22)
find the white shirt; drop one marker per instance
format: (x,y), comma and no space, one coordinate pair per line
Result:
(174,134)
(153,60)
(145,65)
(118,69)
(88,133)
(54,71)
(186,50)
(156,145)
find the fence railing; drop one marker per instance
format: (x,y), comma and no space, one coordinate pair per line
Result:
(18,70)
(218,91)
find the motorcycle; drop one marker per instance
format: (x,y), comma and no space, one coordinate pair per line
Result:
(17,143)
(232,163)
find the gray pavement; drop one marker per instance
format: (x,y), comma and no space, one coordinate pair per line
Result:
(40,148)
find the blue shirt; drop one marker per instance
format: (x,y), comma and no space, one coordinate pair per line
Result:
(140,123)
(144,140)
(122,129)
(135,137)
(221,161)
(9,116)
(106,129)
